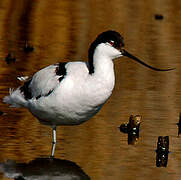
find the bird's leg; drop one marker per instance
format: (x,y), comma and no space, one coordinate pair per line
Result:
(54,141)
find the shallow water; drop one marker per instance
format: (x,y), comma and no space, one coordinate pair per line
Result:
(63,30)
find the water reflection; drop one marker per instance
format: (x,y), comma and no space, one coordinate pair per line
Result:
(43,168)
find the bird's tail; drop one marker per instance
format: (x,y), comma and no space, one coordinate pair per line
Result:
(15,98)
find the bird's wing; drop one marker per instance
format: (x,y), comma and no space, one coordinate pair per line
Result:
(44,81)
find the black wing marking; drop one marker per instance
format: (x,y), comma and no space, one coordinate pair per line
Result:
(61,70)
(43,84)
(26,90)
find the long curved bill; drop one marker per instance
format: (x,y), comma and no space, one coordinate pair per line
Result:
(125,53)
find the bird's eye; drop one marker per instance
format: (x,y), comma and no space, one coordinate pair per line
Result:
(111,43)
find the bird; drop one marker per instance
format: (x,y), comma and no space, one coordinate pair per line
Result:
(71,93)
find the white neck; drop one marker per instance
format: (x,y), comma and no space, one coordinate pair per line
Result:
(103,69)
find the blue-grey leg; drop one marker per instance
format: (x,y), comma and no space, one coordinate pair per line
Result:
(54,141)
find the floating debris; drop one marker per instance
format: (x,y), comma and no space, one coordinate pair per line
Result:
(10,59)
(162,151)
(179,125)
(132,129)
(158,16)
(28,48)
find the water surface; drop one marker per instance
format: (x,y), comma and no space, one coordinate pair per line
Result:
(63,31)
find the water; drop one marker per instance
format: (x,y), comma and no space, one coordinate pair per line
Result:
(63,30)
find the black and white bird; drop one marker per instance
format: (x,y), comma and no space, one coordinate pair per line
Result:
(70,93)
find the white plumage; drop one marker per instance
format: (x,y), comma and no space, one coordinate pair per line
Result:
(72,101)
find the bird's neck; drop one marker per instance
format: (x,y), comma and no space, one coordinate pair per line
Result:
(102,64)
(103,69)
